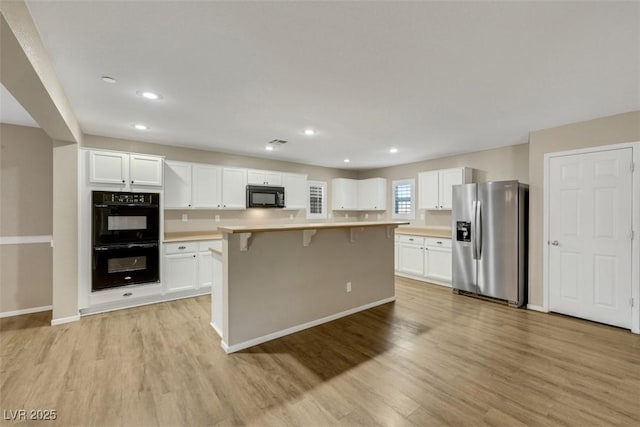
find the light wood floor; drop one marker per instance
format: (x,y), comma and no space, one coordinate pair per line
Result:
(431,358)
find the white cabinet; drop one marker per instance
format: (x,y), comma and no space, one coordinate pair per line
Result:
(107,167)
(188,265)
(234,183)
(438,260)
(372,194)
(145,170)
(295,190)
(180,271)
(359,195)
(203,186)
(344,194)
(261,177)
(424,258)
(435,187)
(411,256)
(115,168)
(177,185)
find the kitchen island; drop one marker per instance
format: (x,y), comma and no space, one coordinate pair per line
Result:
(280,279)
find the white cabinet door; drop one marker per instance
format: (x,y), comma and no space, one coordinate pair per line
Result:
(107,167)
(448,178)
(234,183)
(145,170)
(411,259)
(205,269)
(295,190)
(206,186)
(180,272)
(437,264)
(177,185)
(344,194)
(261,177)
(428,188)
(372,194)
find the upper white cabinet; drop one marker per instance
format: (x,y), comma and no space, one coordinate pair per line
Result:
(261,177)
(372,194)
(234,183)
(295,190)
(359,195)
(108,167)
(344,194)
(145,170)
(203,186)
(206,189)
(435,187)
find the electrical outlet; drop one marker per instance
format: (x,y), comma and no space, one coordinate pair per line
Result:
(217,218)
(185,218)
(348,286)
(290,216)
(366,216)
(379,216)
(422,216)
(346,215)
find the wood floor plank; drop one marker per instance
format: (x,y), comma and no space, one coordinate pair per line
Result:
(431,358)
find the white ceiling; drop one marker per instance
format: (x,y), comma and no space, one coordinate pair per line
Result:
(431,78)
(12,112)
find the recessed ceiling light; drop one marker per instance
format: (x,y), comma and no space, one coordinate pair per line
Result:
(269,148)
(347,160)
(310,132)
(141,127)
(108,79)
(393,150)
(149,95)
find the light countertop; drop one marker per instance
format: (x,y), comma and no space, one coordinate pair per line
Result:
(425,231)
(306,226)
(191,236)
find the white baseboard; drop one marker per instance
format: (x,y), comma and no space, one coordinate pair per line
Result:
(278,334)
(215,328)
(537,308)
(63,320)
(423,279)
(25,311)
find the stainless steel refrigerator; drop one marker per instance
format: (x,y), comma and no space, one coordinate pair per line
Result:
(489,223)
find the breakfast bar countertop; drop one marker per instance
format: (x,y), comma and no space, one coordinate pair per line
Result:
(306,226)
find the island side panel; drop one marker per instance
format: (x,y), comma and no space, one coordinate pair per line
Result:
(278,283)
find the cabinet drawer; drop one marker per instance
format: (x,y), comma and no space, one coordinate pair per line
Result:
(438,243)
(404,238)
(124,293)
(180,247)
(205,245)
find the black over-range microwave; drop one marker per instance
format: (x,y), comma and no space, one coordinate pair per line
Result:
(262,196)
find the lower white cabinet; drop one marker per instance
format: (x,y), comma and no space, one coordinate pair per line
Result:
(188,265)
(424,258)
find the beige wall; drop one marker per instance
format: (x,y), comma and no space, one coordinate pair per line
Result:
(603,131)
(65,230)
(506,163)
(288,284)
(26,163)
(202,220)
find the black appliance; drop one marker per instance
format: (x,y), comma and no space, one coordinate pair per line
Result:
(263,196)
(125,237)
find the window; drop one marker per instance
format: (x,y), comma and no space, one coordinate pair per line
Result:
(317,206)
(404,199)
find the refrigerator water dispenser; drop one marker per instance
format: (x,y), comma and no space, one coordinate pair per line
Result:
(463,231)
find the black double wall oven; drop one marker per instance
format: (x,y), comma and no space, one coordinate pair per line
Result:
(125,237)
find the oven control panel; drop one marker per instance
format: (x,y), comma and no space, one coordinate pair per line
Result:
(119,197)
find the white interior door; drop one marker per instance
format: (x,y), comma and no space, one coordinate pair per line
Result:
(590,225)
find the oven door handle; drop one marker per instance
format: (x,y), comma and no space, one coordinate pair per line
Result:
(142,245)
(125,246)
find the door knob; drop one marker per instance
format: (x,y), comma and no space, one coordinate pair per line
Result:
(555,243)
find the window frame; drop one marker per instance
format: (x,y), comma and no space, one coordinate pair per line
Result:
(323,214)
(412,214)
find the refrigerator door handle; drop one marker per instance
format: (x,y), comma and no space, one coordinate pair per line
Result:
(478,221)
(474,248)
